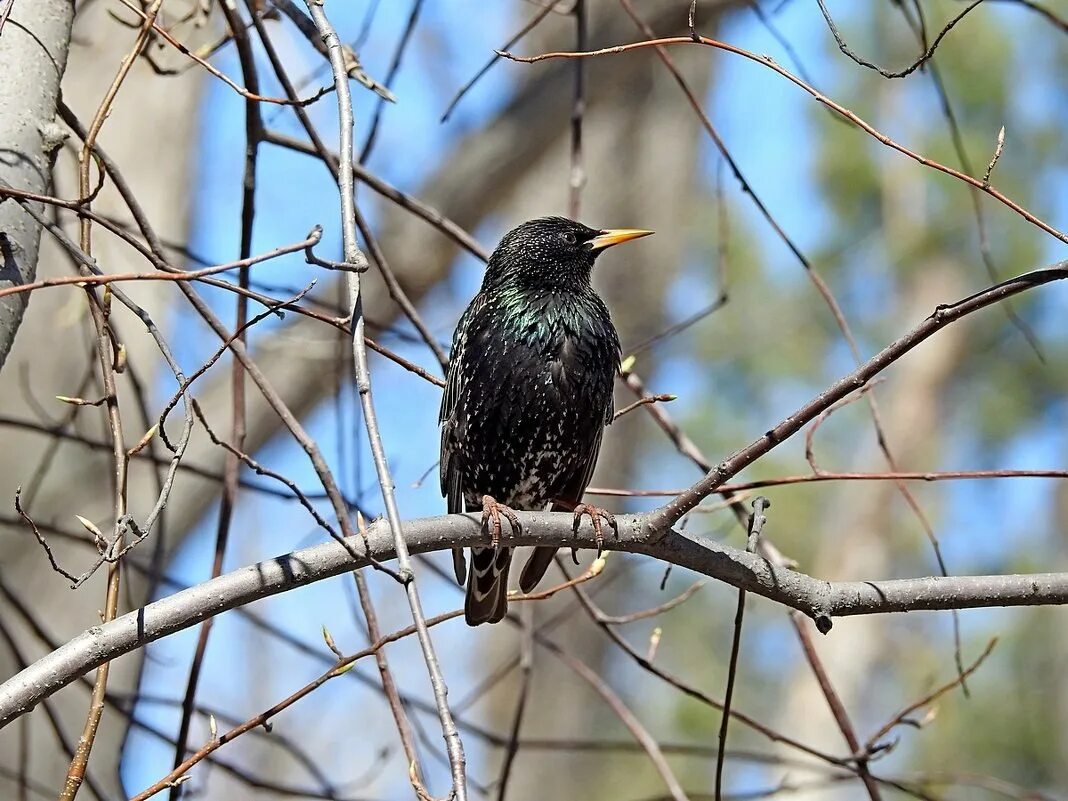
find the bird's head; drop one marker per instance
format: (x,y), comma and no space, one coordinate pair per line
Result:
(552,252)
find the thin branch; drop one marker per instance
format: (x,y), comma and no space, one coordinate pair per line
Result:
(826,475)
(919,62)
(394,68)
(180,275)
(834,703)
(577,173)
(943,315)
(6,13)
(644,401)
(616,704)
(903,716)
(818,599)
(865,126)
(526,672)
(342,666)
(527,28)
(757,520)
(354,256)
(245,93)
(649,534)
(99,311)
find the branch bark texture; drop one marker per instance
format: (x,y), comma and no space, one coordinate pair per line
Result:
(820,600)
(650,534)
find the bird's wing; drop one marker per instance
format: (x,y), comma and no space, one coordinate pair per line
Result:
(541,557)
(451,412)
(452,416)
(574,488)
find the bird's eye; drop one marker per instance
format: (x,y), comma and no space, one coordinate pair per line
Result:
(569,237)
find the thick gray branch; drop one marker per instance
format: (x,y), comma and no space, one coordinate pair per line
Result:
(820,600)
(33,52)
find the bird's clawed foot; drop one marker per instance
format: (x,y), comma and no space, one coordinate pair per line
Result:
(596,515)
(491,520)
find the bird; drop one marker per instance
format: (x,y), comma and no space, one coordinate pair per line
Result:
(528,393)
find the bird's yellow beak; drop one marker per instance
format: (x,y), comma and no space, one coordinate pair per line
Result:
(615,236)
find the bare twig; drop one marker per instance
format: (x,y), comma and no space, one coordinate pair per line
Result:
(354,256)
(903,716)
(819,97)
(756,525)
(41,539)
(818,599)
(827,475)
(232,467)
(339,668)
(245,93)
(526,671)
(919,62)
(616,704)
(834,703)
(394,68)
(527,28)
(6,13)
(109,363)
(942,316)
(577,173)
(180,275)
(630,407)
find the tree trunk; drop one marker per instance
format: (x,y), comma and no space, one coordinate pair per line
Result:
(52,355)
(33,50)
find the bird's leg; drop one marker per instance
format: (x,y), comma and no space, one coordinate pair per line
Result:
(491,520)
(596,515)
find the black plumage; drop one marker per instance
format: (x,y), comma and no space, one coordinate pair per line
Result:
(528,393)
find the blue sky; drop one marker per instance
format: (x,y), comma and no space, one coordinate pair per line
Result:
(295,193)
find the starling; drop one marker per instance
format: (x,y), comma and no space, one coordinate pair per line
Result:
(527,396)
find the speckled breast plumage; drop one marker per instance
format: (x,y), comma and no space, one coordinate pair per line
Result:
(536,392)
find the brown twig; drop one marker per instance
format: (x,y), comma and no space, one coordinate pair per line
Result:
(826,475)
(543,12)
(238,430)
(630,407)
(259,469)
(834,703)
(526,672)
(180,275)
(943,315)
(821,286)
(41,539)
(391,73)
(903,716)
(409,203)
(184,386)
(245,93)
(353,255)
(577,173)
(99,313)
(7,13)
(357,267)
(757,520)
(819,97)
(339,668)
(605,624)
(655,611)
(626,717)
(919,62)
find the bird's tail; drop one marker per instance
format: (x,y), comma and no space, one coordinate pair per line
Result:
(487,585)
(540,558)
(537,563)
